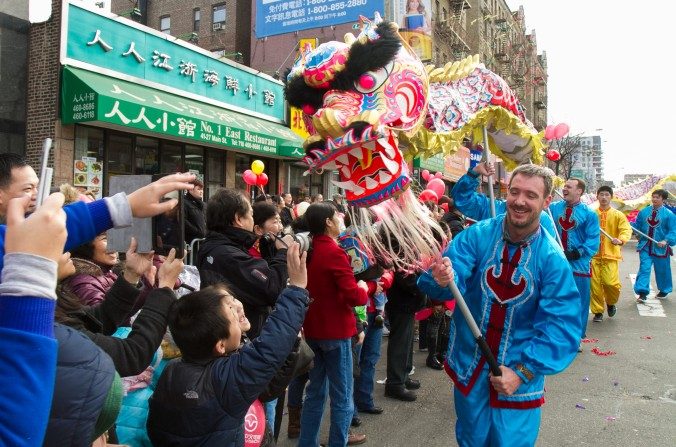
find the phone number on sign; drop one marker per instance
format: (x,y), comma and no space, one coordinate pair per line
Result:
(339,6)
(84,107)
(84,115)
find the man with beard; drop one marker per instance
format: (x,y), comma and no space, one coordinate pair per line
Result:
(605,280)
(224,257)
(519,288)
(578,227)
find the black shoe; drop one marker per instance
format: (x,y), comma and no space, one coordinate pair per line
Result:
(412,384)
(641,298)
(372,410)
(378,321)
(598,318)
(356,422)
(612,310)
(434,363)
(400,393)
(662,295)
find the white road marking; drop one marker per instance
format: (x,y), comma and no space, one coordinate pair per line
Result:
(652,307)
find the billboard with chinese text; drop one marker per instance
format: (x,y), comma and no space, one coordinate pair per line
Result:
(121,48)
(286,16)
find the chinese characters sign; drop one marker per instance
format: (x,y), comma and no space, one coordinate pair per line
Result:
(286,16)
(131,50)
(87,97)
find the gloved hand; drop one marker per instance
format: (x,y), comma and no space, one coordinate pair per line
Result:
(572,255)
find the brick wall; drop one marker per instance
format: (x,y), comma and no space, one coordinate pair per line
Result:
(43,94)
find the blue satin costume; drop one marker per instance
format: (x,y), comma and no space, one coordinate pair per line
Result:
(527,306)
(579,229)
(477,206)
(659,224)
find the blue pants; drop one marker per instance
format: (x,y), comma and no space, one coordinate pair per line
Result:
(480,425)
(662,273)
(583,284)
(370,354)
(332,374)
(270,413)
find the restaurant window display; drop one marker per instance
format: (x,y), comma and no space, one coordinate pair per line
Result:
(147,155)
(171,160)
(215,172)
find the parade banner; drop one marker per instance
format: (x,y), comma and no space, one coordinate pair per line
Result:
(279,16)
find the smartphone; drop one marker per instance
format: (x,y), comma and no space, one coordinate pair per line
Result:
(168,228)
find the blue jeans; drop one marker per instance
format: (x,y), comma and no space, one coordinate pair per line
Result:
(270,413)
(332,373)
(370,354)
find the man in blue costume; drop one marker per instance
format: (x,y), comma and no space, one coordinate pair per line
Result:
(659,223)
(579,230)
(519,288)
(476,206)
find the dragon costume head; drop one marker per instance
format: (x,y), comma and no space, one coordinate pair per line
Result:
(356,96)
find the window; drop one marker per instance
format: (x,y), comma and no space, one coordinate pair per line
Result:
(171,160)
(196,20)
(219,16)
(215,172)
(145,154)
(165,24)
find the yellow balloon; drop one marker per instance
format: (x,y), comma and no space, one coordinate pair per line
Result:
(257,167)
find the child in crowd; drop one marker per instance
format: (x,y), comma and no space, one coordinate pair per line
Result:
(203,397)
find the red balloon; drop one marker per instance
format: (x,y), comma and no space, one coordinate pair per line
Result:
(425,174)
(561,130)
(438,175)
(553,155)
(549,132)
(437,185)
(428,195)
(444,206)
(249,177)
(262,179)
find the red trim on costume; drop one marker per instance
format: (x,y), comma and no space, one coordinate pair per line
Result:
(514,404)
(586,275)
(567,224)
(465,389)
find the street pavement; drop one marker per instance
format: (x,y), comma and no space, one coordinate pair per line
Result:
(624,398)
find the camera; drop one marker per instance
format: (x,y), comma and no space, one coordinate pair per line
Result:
(303,239)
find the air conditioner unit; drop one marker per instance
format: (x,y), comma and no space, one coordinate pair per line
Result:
(217,26)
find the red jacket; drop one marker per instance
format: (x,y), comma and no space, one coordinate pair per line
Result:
(333,292)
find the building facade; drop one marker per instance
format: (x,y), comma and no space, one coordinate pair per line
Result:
(118,97)
(587,162)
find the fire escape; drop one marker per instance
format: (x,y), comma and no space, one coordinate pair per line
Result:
(450,31)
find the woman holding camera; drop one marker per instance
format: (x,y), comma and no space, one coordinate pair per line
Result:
(329,326)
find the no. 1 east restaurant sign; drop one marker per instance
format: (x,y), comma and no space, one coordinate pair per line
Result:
(160,84)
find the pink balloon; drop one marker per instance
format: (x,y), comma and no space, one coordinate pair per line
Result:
(428,194)
(262,179)
(438,186)
(438,175)
(561,130)
(254,425)
(249,177)
(425,175)
(549,132)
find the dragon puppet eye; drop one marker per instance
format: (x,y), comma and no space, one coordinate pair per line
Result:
(308,109)
(372,80)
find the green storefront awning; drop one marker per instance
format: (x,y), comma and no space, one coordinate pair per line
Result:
(91,97)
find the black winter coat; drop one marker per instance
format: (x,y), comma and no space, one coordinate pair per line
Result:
(195,221)
(256,282)
(84,375)
(131,355)
(404,296)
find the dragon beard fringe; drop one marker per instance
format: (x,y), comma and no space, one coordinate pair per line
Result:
(404,236)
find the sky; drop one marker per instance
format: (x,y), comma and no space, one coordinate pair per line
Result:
(610,67)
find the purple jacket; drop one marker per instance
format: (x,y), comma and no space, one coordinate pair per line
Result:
(90,282)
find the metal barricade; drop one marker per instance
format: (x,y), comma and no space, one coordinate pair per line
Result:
(194,248)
